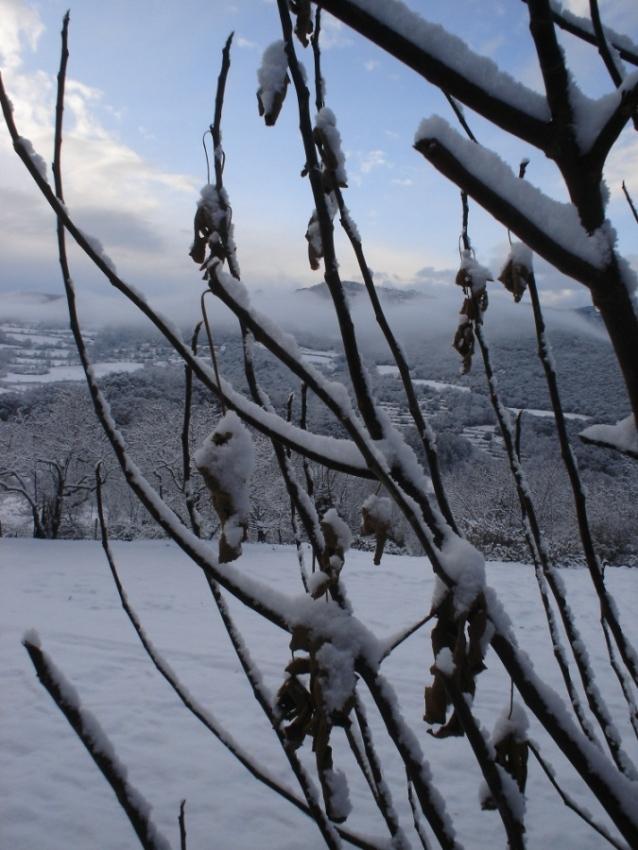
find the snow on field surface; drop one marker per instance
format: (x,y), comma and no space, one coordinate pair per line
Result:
(71,373)
(52,796)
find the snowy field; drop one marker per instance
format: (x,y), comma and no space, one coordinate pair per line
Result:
(52,796)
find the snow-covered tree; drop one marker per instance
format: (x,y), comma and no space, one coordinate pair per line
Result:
(336,674)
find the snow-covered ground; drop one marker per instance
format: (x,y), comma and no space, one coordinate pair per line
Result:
(69,373)
(320,357)
(52,796)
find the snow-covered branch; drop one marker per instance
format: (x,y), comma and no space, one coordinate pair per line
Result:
(89,731)
(447,62)
(550,228)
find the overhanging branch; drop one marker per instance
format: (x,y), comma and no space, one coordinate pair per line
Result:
(436,70)
(445,161)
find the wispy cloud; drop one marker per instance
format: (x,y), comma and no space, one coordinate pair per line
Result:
(18,23)
(373,159)
(333,33)
(240,41)
(113,190)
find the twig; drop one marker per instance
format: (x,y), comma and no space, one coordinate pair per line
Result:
(211,348)
(509,807)
(417,767)
(326,828)
(581,28)
(383,795)
(625,685)
(592,693)
(182,825)
(632,206)
(607,604)
(426,435)
(603,46)
(316,52)
(331,267)
(423,428)
(570,802)
(97,745)
(418,826)
(185,439)
(397,640)
(189,702)
(293,510)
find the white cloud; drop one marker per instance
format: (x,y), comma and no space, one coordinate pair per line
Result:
(622,163)
(372,159)
(18,22)
(333,33)
(405,181)
(240,41)
(109,187)
(370,65)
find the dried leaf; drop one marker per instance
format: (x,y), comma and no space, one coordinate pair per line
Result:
(515,278)
(321,587)
(303,25)
(299,666)
(436,701)
(374,524)
(512,754)
(271,113)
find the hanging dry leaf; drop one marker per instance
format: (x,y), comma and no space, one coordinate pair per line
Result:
(515,278)
(338,538)
(464,343)
(510,744)
(225,461)
(303,26)
(376,519)
(467,651)
(273,82)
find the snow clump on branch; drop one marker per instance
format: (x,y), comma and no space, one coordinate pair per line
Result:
(226,461)
(329,138)
(273,81)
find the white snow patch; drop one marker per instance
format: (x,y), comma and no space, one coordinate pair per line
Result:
(623,435)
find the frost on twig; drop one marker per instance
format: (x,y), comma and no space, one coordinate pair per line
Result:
(225,460)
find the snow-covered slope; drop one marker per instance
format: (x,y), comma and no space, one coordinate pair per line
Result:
(53,798)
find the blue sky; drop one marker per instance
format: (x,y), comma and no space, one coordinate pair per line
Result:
(141,83)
